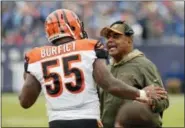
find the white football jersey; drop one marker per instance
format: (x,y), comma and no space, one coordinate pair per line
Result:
(65,74)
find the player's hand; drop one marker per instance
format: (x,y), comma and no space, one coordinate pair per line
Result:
(151,93)
(100,124)
(155,92)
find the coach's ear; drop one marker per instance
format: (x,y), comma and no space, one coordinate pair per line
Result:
(118,124)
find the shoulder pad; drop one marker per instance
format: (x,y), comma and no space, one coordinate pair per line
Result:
(33,55)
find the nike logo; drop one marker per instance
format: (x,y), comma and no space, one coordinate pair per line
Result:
(155,80)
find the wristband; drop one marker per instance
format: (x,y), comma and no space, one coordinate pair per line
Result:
(143,94)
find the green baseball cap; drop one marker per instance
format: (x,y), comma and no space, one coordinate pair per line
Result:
(119,27)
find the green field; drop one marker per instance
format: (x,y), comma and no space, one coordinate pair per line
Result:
(14,116)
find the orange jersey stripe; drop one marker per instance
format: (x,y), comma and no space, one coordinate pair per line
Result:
(40,53)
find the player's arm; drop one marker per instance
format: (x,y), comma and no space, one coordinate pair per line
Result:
(31,88)
(30,91)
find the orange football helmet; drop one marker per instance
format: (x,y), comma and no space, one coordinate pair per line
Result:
(64,23)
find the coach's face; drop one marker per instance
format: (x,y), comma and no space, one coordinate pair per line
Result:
(117,44)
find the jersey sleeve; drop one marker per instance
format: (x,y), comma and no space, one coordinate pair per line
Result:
(28,59)
(100,50)
(26,62)
(32,63)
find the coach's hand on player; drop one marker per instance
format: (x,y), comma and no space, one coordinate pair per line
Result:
(152,93)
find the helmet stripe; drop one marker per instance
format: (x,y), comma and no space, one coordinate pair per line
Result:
(54,21)
(58,21)
(68,25)
(77,20)
(51,30)
(65,18)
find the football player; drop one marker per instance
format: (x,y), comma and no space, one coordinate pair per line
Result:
(65,71)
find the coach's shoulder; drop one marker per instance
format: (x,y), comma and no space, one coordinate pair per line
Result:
(146,66)
(143,61)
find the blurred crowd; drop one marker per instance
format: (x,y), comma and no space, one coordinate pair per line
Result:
(23,22)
